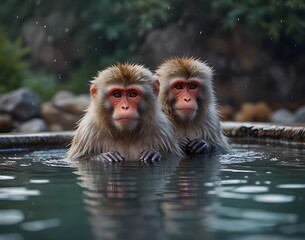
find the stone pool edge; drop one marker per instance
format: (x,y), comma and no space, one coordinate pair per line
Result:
(235,130)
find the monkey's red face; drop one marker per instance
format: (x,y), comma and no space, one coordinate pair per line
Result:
(125,102)
(186,93)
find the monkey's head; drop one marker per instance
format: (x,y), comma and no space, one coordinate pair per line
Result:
(124,96)
(186,88)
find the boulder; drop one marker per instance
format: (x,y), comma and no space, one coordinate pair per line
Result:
(34,125)
(69,103)
(56,117)
(282,116)
(254,112)
(299,115)
(22,104)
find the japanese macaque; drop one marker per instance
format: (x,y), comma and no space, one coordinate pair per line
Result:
(124,119)
(187,98)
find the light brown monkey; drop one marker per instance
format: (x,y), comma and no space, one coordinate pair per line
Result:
(124,119)
(187,98)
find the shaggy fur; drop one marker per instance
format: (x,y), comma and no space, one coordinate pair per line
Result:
(96,132)
(205,124)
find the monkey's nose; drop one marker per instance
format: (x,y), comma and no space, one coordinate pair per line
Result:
(125,107)
(187,99)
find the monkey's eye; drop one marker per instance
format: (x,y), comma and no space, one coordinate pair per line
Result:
(193,86)
(179,86)
(116,94)
(133,94)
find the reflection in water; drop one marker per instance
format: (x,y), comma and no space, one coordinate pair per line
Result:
(121,197)
(152,200)
(186,204)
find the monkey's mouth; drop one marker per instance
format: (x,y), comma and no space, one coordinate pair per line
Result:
(126,121)
(186,110)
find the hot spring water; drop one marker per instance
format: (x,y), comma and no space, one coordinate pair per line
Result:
(254,192)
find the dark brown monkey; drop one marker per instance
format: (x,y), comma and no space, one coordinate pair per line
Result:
(187,98)
(124,119)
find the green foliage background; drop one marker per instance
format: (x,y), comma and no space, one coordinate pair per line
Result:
(110,31)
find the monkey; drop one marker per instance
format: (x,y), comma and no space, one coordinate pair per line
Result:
(124,119)
(187,98)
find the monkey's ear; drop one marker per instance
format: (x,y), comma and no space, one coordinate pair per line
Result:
(156,87)
(93,89)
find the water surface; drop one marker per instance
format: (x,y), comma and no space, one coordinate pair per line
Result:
(253,192)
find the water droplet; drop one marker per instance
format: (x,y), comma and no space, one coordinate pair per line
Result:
(44,26)
(168,8)
(200,32)
(95,49)
(55,60)
(67,30)
(17,16)
(36,22)
(237,19)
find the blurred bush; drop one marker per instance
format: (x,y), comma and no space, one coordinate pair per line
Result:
(12,65)
(45,85)
(274,17)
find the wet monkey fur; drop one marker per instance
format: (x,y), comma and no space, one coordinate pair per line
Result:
(124,119)
(187,98)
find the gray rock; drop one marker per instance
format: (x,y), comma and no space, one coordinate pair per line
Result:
(299,115)
(69,103)
(282,116)
(22,104)
(34,125)
(6,123)
(55,116)
(61,96)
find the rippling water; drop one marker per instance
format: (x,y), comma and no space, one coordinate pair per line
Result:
(253,192)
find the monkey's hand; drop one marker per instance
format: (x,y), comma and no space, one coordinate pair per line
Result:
(150,155)
(184,144)
(110,157)
(199,146)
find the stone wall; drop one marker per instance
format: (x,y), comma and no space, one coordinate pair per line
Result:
(237,132)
